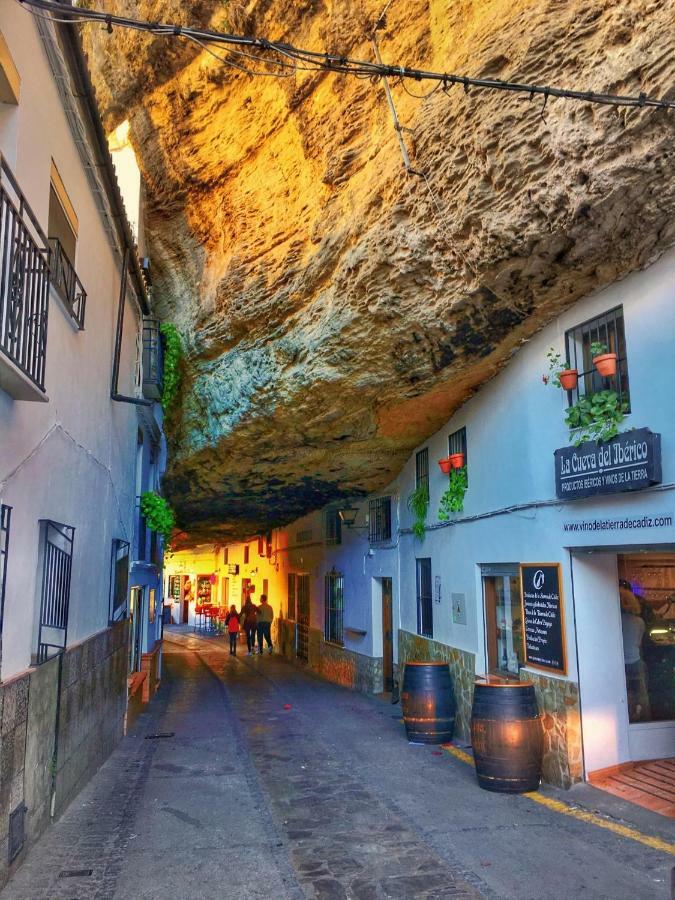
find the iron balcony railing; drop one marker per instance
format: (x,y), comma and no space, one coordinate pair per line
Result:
(153,360)
(68,286)
(24,281)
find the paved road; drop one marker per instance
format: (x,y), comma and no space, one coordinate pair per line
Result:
(250,799)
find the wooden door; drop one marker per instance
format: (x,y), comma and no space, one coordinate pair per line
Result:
(387,635)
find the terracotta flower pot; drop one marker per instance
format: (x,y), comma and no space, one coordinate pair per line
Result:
(605,364)
(456,460)
(445,465)
(569,379)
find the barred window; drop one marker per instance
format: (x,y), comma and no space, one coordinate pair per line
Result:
(334,608)
(457,444)
(5,517)
(119,579)
(607,329)
(379,520)
(422,468)
(332,527)
(290,612)
(425,613)
(245,554)
(56,556)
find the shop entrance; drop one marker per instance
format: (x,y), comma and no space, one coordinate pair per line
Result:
(387,635)
(625,617)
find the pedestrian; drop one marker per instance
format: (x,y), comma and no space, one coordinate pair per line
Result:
(265,619)
(249,616)
(232,622)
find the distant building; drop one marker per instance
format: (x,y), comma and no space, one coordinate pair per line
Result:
(80,434)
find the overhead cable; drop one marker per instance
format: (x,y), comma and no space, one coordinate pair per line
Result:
(314,61)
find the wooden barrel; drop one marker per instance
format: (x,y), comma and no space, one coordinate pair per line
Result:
(428,702)
(507,736)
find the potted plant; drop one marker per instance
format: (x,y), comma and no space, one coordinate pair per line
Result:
(456,460)
(603,361)
(560,376)
(595,417)
(418,503)
(452,500)
(445,464)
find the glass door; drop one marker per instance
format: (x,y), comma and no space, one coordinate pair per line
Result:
(503,621)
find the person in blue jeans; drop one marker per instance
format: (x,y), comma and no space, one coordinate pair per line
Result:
(264,626)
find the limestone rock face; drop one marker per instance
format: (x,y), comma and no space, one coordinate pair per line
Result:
(336,310)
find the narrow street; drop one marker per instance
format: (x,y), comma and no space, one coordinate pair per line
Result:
(248,778)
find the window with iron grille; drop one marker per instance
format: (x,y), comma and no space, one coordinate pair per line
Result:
(226,555)
(290,612)
(332,527)
(425,613)
(246,554)
(56,555)
(379,520)
(457,444)
(119,579)
(5,518)
(334,608)
(422,468)
(607,329)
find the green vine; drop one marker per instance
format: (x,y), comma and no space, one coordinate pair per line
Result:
(418,503)
(173,351)
(595,417)
(452,500)
(158,514)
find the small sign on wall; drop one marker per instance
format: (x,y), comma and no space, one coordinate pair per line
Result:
(459,609)
(437,589)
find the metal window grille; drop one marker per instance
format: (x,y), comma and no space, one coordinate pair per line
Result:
(64,279)
(5,520)
(153,360)
(303,617)
(334,610)
(332,527)
(290,612)
(24,281)
(607,329)
(379,520)
(425,614)
(457,444)
(422,468)
(119,579)
(246,555)
(226,556)
(57,555)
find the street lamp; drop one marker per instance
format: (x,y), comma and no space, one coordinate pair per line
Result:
(348,515)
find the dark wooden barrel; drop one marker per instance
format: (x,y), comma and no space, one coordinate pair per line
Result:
(428,702)
(507,736)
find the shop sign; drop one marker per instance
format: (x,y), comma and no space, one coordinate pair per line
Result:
(543,616)
(627,462)
(233,569)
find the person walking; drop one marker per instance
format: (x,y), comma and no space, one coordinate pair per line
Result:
(265,619)
(232,622)
(249,616)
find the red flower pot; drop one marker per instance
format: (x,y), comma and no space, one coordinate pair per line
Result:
(605,364)
(569,379)
(456,460)
(445,465)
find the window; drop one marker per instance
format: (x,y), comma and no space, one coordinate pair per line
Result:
(503,619)
(334,608)
(246,554)
(379,520)
(290,612)
(226,556)
(607,329)
(62,234)
(332,527)
(151,605)
(303,618)
(266,587)
(119,579)
(457,444)
(56,554)
(422,468)
(425,613)
(5,518)
(261,546)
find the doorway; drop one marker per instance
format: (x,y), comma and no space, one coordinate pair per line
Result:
(387,635)
(302,627)
(135,628)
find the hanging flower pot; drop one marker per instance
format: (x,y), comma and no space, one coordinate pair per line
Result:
(445,465)
(605,364)
(456,460)
(568,379)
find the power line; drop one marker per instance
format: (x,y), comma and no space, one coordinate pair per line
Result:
(310,60)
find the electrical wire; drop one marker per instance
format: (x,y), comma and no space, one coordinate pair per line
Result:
(325,62)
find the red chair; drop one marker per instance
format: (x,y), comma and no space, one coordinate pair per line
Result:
(199,614)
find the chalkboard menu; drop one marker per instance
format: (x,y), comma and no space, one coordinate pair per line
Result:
(543,617)
(174,587)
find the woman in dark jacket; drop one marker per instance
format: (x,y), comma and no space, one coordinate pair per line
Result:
(249,616)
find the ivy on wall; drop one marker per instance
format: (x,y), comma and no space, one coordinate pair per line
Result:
(173,352)
(158,514)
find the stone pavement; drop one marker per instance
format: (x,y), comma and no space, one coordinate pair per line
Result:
(269,783)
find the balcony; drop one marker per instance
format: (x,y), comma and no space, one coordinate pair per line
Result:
(24,294)
(153,361)
(68,286)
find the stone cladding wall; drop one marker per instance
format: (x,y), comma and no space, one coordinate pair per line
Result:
(558,702)
(332,662)
(414,648)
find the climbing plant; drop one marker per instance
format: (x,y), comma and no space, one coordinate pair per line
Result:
(158,514)
(173,351)
(418,503)
(595,417)
(452,500)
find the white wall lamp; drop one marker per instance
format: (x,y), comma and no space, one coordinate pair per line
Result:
(348,516)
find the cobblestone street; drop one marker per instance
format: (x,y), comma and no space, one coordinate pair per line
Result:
(248,778)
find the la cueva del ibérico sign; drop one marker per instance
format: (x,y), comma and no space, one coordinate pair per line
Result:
(627,462)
